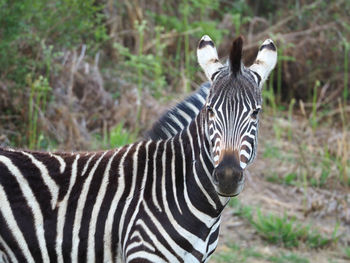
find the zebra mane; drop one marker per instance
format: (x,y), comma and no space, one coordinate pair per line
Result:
(180,116)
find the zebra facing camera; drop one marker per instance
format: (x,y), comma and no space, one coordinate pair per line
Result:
(234,138)
(141,202)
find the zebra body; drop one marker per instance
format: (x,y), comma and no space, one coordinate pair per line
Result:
(105,206)
(155,200)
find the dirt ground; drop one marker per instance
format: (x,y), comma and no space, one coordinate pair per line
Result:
(324,209)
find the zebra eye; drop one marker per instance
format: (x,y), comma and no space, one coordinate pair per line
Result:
(210,111)
(255,113)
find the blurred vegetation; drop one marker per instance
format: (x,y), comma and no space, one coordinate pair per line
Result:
(77,74)
(92,74)
(151,46)
(283,230)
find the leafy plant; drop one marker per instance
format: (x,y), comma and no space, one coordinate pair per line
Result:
(25,25)
(119,136)
(38,98)
(277,230)
(314,106)
(346,70)
(286,231)
(282,230)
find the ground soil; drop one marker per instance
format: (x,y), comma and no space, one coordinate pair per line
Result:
(321,208)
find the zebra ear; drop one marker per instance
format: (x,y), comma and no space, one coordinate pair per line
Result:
(208,57)
(265,61)
(236,56)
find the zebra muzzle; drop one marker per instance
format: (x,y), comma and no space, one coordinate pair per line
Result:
(229,176)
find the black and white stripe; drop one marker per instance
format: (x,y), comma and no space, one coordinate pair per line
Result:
(151,201)
(135,202)
(180,116)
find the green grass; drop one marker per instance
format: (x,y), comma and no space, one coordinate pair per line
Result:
(278,230)
(346,70)
(307,164)
(347,252)
(272,151)
(38,98)
(232,252)
(120,136)
(287,232)
(288,258)
(288,179)
(283,230)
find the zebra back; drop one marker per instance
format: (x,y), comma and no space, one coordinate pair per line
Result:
(180,116)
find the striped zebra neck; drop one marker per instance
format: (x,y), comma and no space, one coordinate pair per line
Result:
(180,116)
(196,141)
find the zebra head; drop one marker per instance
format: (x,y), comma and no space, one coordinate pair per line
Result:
(232,110)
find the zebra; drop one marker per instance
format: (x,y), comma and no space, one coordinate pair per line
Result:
(150,201)
(180,116)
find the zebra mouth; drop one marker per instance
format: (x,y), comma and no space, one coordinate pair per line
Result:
(225,195)
(230,188)
(233,194)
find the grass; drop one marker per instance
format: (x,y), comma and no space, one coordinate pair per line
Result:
(299,151)
(288,258)
(233,252)
(38,99)
(290,119)
(287,231)
(346,70)
(347,252)
(288,179)
(314,121)
(120,136)
(283,230)
(141,30)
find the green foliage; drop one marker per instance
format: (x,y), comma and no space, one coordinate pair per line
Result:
(288,258)
(314,106)
(278,230)
(287,232)
(268,94)
(119,136)
(346,70)
(39,90)
(326,163)
(191,19)
(143,66)
(272,151)
(27,28)
(288,179)
(283,230)
(233,252)
(347,252)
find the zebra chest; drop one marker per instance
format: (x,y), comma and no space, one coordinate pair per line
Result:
(160,238)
